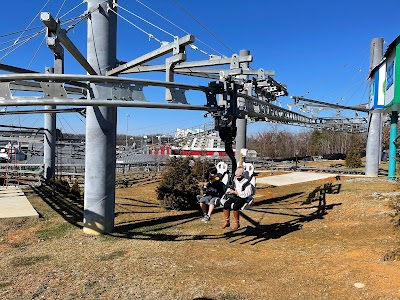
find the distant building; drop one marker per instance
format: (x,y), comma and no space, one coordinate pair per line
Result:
(198,142)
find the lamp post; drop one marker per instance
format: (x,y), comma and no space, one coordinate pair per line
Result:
(126,135)
(144,148)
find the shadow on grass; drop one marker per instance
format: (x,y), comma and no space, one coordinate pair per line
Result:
(155,229)
(67,207)
(259,233)
(159,228)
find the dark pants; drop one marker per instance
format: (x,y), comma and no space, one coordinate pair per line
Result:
(237,203)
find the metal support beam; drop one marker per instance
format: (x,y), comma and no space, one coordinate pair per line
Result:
(71,78)
(182,42)
(189,64)
(102,102)
(13,69)
(54,27)
(259,109)
(99,202)
(50,118)
(241,136)
(331,105)
(41,111)
(171,95)
(393,146)
(36,87)
(374,139)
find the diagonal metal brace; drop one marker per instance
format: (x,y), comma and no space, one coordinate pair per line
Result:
(54,27)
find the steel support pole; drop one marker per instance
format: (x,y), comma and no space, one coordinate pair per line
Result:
(50,123)
(99,201)
(373,149)
(49,145)
(241,135)
(392,146)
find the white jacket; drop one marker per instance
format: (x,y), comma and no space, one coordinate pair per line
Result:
(247,192)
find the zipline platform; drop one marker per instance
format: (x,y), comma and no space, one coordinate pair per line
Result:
(297,177)
(14,204)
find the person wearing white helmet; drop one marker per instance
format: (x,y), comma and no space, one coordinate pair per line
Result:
(238,195)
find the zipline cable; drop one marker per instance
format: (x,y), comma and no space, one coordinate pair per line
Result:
(205,28)
(180,28)
(144,20)
(136,26)
(27,28)
(72,9)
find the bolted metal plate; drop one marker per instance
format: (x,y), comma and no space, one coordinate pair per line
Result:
(137,93)
(53,90)
(119,91)
(176,96)
(5,93)
(234,62)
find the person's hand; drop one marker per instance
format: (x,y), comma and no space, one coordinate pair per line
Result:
(233,192)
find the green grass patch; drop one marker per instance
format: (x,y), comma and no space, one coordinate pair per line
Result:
(59,230)
(230,296)
(4,284)
(113,255)
(29,260)
(108,237)
(150,229)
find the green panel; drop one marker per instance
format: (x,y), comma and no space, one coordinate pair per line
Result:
(397,76)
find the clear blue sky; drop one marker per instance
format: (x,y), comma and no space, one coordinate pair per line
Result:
(319,49)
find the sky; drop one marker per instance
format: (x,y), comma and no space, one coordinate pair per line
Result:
(318,49)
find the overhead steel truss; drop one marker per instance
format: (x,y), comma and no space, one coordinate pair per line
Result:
(60,90)
(255,96)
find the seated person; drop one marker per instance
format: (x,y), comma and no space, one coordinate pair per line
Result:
(240,194)
(212,190)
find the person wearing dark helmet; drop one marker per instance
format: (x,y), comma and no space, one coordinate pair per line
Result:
(238,195)
(213,189)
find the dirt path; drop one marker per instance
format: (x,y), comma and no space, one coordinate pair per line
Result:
(342,245)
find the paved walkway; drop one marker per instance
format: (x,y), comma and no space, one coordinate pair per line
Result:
(14,204)
(296,177)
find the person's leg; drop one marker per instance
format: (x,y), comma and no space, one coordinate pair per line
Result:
(236,223)
(211,206)
(203,202)
(210,209)
(227,211)
(203,207)
(237,205)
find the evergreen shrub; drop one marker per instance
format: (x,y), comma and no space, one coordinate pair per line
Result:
(180,183)
(353,157)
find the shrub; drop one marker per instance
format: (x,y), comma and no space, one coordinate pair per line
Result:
(62,186)
(75,191)
(396,212)
(353,157)
(179,184)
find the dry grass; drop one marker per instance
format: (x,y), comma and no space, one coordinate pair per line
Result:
(285,249)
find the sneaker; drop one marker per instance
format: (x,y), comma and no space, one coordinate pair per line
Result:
(206,218)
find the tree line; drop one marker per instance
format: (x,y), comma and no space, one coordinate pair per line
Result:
(276,143)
